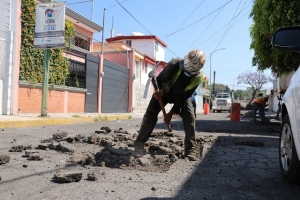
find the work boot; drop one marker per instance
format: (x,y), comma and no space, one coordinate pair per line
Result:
(191,155)
(139,149)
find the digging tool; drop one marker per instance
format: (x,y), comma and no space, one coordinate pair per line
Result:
(152,78)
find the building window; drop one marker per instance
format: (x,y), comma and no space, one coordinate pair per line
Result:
(82,41)
(137,69)
(128,42)
(156,46)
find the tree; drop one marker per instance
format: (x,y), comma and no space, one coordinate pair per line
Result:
(268,16)
(32,59)
(255,79)
(220,88)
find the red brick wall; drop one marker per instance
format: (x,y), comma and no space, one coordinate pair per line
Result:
(30,101)
(75,102)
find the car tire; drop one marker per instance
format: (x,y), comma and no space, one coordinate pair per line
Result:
(288,158)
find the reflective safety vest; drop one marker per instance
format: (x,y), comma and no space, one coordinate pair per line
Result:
(195,82)
(260,100)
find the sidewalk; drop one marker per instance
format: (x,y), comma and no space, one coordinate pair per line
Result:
(26,120)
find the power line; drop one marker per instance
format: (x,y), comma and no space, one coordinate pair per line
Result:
(229,27)
(141,24)
(198,20)
(187,17)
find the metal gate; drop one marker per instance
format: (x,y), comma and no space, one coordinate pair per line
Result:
(91,97)
(115,88)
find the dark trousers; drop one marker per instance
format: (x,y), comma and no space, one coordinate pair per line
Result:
(194,105)
(278,111)
(150,119)
(261,110)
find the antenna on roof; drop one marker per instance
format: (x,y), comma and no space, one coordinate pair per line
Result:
(92,9)
(112,28)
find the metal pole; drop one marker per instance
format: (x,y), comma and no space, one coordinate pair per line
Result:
(214,82)
(103,32)
(92,10)
(47,56)
(210,74)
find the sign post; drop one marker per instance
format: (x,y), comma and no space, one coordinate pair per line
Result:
(49,33)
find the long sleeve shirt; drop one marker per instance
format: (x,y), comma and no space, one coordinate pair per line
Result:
(177,94)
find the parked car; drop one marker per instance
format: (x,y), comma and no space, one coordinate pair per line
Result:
(288,38)
(222,102)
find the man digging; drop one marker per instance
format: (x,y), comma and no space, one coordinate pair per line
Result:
(176,83)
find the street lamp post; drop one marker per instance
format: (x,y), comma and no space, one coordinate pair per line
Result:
(210,73)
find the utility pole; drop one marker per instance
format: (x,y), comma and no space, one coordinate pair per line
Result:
(214,83)
(47,57)
(210,73)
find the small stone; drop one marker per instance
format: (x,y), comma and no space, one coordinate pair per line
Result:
(93,176)
(60,135)
(4,159)
(25,165)
(18,148)
(153,188)
(62,177)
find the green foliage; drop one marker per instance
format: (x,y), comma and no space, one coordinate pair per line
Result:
(32,59)
(242,94)
(220,88)
(268,16)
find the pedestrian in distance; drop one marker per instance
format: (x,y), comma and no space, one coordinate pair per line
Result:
(193,99)
(279,103)
(177,82)
(259,105)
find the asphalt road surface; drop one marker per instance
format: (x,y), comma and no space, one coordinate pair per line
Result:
(239,161)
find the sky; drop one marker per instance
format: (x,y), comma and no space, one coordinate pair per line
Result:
(220,28)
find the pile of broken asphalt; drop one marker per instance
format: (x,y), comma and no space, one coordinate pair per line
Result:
(105,148)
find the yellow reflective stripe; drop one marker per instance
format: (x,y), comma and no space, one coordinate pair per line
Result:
(195,82)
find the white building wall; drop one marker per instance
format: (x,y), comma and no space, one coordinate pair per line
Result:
(8,22)
(147,47)
(160,55)
(5,14)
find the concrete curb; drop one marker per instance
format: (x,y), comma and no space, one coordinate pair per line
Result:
(19,122)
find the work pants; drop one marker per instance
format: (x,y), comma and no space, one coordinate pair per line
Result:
(150,118)
(261,110)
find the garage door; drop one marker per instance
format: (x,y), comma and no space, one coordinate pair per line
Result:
(115,88)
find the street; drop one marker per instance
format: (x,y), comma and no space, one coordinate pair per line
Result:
(239,160)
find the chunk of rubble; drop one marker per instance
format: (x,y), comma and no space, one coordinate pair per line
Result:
(35,156)
(65,147)
(101,131)
(67,177)
(60,135)
(28,153)
(20,148)
(44,146)
(4,159)
(121,130)
(106,128)
(93,176)
(93,139)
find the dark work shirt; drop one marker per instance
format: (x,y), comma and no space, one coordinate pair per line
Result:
(177,96)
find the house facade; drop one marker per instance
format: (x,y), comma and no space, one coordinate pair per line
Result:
(19,96)
(282,83)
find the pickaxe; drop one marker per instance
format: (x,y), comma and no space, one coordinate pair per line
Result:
(152,78)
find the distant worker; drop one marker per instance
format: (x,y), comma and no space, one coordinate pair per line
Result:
(193,99)
(279,103)
(259,105)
